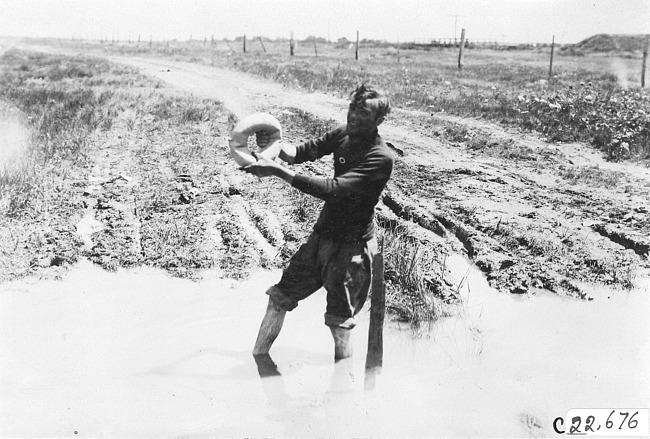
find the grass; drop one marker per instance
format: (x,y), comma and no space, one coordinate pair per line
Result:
(415,288)
(70,109)
(60,107)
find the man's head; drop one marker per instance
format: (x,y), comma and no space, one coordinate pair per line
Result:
(368,109)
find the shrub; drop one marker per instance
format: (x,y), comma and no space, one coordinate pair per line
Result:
(614,120)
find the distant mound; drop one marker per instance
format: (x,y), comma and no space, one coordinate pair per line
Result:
(612,43)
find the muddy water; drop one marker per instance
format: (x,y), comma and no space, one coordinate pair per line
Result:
(136,353)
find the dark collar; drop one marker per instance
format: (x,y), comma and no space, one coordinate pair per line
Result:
(366,136)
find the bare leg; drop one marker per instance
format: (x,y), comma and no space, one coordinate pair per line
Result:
(269,329)
(342,345)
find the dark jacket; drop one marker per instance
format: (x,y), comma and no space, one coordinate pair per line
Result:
(362,167)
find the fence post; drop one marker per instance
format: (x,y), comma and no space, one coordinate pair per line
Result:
(315,49)
(244,43)
(646,46)
(460,51)
(550,68)
(291,44)
(262,43)
(356,50)
(398,51)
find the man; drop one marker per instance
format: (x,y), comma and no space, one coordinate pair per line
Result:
(338,254)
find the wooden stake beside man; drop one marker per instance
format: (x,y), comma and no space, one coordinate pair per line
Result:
(338,254)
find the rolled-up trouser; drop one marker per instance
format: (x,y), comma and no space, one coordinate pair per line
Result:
(344,269)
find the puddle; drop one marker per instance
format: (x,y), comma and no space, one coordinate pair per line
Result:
(137,353)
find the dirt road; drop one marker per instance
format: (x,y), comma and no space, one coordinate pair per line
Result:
(523,215)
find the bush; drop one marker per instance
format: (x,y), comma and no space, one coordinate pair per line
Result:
(614,120)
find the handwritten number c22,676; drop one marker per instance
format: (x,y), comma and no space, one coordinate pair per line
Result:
(576,422)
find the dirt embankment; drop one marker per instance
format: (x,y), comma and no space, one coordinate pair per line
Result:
(531,215)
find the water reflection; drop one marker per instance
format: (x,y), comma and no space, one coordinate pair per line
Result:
(340,409)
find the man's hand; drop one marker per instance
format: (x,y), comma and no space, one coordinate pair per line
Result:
(265,167)
(287,152)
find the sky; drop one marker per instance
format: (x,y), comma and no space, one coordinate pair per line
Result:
(516,21)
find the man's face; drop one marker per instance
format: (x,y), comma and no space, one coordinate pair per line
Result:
(362,117)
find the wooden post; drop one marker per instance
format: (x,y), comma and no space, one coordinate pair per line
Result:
(244,43)
(315,49)
(262,43)
(356,50)
(291,44)
(398,51)
(646,46)
(550,68)
(460,51)
(374,358)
